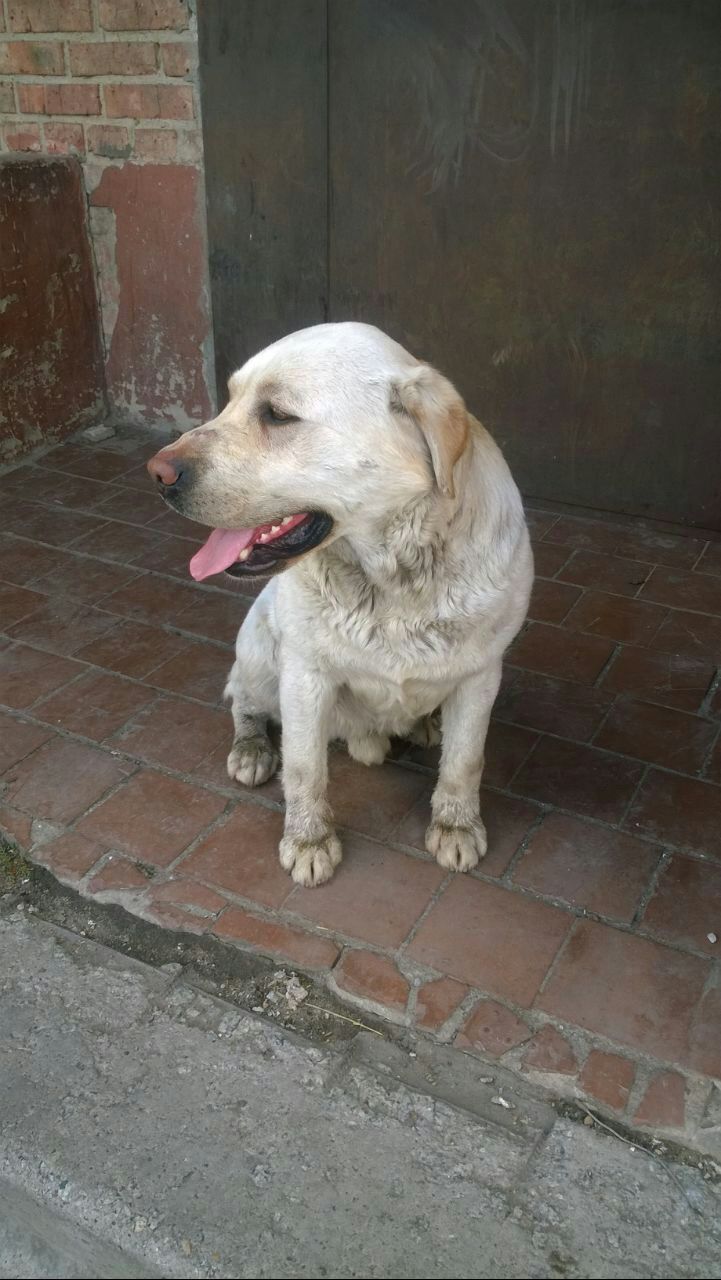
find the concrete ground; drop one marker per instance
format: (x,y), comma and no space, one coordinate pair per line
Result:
(152,1129)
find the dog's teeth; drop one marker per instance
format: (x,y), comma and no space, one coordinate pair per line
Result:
(287,519)
(264,537)
(275,528)
(244,554)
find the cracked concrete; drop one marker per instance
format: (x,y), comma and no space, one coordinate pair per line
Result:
(149,1128)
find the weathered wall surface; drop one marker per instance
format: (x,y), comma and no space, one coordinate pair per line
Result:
(114,83)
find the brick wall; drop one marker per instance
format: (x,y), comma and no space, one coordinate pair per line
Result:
(114,82)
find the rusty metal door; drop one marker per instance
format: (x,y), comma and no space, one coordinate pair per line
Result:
(525,194)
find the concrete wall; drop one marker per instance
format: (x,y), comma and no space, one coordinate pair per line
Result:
(114,82)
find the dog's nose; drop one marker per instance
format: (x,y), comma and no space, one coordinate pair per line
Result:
(165,469)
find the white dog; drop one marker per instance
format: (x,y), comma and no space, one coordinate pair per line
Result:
(355,468)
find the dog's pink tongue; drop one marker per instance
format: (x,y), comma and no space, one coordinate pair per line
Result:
(221,550)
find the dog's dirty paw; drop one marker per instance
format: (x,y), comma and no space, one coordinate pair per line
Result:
(457,848)
(372,749)
(310,862)
(252,761)
(426,732)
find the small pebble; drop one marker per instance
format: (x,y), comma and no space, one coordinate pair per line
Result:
(712,937)
(498,1101)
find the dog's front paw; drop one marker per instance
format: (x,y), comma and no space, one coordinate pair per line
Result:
(457,848)
(252,761)
(310,862)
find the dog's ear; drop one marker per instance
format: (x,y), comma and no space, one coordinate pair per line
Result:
(437,409)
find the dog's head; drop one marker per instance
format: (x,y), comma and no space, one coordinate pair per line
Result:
(329,432)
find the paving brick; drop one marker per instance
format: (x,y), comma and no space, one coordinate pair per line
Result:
(31,58)
(705,1053)
(670,679)
(153,817)
(372,799)
(174,733)
(714,767)
(539,521)
(241,856)
(185,894)
(63,626)
(272,938)
(61,778)
(17,740)
(629,540)
(112,58)
(50,15)
(491,938)
(27,674)
(118,873)
(710,561)
(551,601)
(663,1105)
(684,590)
(16,825)
(507,746)
(376,895)
(557,652)
(172,523)
(151,599)
(94,706)
(77,577)
(507,822)
(144,15)
(589,782)
(93,464)
(213,615)
(548,559)
(633,991)
(686,906)
(691,635)
(604,573)
(22,561)
(680,811)
(116,541)
(549,1051)
(627,621)
(133,649)
(587,866)
(54,526)
(200,671)
(16,603)
(437,1000)
(372,977)
(149,101)
(554,706)
(659,734)
(70,856)
(169,554)
(492,1028)
(128,505)
(607,1078)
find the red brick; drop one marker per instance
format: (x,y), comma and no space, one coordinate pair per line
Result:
(27,674)
(376,894)
(7,98)
(110,140)
(149,101)
(555,706)
(372,977)
(214,615)
(23,137)
(549,1051)
(151,599)
(604,573)
(710,561)
(112,58)
(171,522)
(178,58)
(587,866)
(144,15)
(540,521)
(692,635)
(663,1105)
(194,898)
(706,1034)
(153,817)
(16,603)
(128,505)
(169,555)
(156,145)
(93,463)
(17,740)
(241,856)
(31,99)
(714,767)
(686,905)
(200,671)
(24,561)
(658,734)
(50,15)
(669,679)
(507,822)
(630,541)
(70,856)
(633,991)
(32,58)
(133,649)
(72,100)
(64,139)
(16,826)
(492,1028)
(173,733)
(373,799)
(507,746)
(593,783)
(61,779)
(551,601)
(118,873)
(115,541)
(627,621)
(94,706)
(683,590)
(56,527)
(679,811)
(272,938)
(607,1078)
(548,559)
(437,1000)
(491,938)
(62,625)
(81,578)
(557,652)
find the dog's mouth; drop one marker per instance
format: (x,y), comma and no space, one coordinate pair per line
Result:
(262,550)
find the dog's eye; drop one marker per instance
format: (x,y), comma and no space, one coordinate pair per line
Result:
(271,414)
